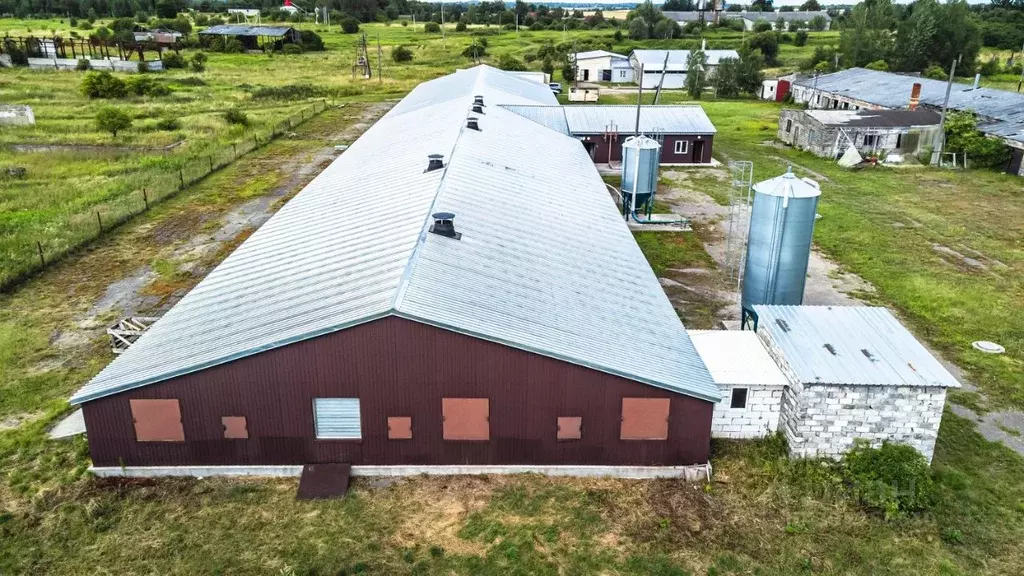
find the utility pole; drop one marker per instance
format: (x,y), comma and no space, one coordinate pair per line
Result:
(639,99)
(664,66)
(940,137)
(444,42)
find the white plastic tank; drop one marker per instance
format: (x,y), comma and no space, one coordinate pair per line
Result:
(779,242)
(640,158)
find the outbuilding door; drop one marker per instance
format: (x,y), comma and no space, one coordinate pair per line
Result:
(1015,162)
(606,75)
(698,151)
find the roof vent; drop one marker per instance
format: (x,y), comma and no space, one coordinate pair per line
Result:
(478,109)
(782,324)
(472,123)
(867,354)
(831,349)
(434,162)
(478,100)
(444,225)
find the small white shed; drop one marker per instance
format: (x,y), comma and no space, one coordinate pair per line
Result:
(750,381)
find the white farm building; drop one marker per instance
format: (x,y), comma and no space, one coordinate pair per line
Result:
(652,62)
(603,66)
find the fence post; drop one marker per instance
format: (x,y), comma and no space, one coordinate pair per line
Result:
(145,198)
(99,221)
(234,150)
(42,259)
(181,178)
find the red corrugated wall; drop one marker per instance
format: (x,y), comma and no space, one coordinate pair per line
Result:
(397,367)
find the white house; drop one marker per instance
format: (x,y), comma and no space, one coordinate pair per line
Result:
(750,381)
(652,62)
(602,66)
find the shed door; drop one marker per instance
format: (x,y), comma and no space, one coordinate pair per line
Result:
(645,418)
(337,418)
(466,418)
(1015,162)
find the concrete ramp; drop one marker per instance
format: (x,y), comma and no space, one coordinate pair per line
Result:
(322,481)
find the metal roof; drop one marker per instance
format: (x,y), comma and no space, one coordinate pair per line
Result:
(788,186)
(544,264)
(694,15)
(551,116)
(850,345)
(737,357)
(243,30)
(598,54)
(875,118)
(678,59)
(889,90)
(596,119)
(792,16)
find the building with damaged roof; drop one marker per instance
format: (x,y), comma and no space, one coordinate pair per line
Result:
(830,133)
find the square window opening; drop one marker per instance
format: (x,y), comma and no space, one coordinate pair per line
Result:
(235,427)
(157,420)
(682,146)
(739,398)
(337,419)
(466,419)
(570,428)
(399,428)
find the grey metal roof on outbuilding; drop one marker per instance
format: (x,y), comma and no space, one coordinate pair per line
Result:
(551,116)
(792,16)
(598,54)
(850,345)
(597,119)
(654,60)
(875,118)
(544,264)
(1004,108)
(243,30)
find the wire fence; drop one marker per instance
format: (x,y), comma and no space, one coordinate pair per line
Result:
(77,229)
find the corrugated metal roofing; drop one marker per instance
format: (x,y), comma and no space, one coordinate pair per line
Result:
(893,91)
(544,264)
(551,116)
(737,357)
(858,345)
(794,16)
(875,118)
(598,54)
(591,119)
(678,59)
(243,30)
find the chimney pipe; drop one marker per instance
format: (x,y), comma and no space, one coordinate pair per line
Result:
(977,81)
(478,100)
(478,109)
(434,162)
(915,96)
(472,124)
(444,225)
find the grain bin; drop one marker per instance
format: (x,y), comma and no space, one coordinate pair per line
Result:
(779,242)
(640,158)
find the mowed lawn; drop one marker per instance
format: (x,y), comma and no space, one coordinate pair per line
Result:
(760,513)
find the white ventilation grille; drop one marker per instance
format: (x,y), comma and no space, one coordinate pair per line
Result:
(337,418)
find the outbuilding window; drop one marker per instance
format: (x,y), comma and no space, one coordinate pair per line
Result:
(789,126)
(645,418)
(157,420)
(570,427)
(337,418)
(466,418)
(399,428)
(682,146)
(739,398)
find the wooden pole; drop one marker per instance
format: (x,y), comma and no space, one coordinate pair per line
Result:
(145,198)
(181,178)
(99,221)
(42,259)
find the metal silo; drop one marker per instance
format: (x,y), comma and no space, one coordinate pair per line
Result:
(779,242)
(640,158)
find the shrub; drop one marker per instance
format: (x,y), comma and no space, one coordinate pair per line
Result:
(475,50)
(18,56)
(880,65)
(800,38)
(401,54)
(509,62)
(168,124)
(146,86)
(460,27)
(312,42)
(174,61)
(292,49)
(143,67)
(935,73)
(432,28)
(113,120)
(103,85)
(232,46)
(350,25)
(405,23)
(990,67)
(198,62)
(83,65)
(236,117)
(762,26)
(85,25)
(963,137)
(894,479)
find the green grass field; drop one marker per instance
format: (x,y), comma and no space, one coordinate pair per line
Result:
(761,514)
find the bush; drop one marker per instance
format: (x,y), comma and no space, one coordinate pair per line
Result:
(291,49)
(935,73)
(880,65)
(103,85)
(963,137)
(991,67)
(168,124)
(113,120)
(511,63)
(143,67)
(474,51)
(83,65)
(432,28)
(146,86)
(762,26)
(401,54)
(460,27)
(232,46)
(174,61)
(236,117)
(800,38)
(198,62)
(312,42)
(894,479)
(18,56)
(350,25)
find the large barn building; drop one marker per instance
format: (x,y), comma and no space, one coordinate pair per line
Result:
(365,324)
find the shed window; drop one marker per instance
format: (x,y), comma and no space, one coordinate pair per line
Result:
(337,418)
(570,427)
(739,398)
(682,146)
(789,126)
(157,420)
(399,428)
(466,418)
(235,427)
(645,418)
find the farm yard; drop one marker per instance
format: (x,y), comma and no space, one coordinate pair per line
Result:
(942,248)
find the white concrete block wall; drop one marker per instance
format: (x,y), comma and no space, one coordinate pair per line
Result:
(759,418)
(128,66)
(824,420)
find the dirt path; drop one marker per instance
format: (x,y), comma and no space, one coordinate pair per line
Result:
(827,284)
(148,265)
